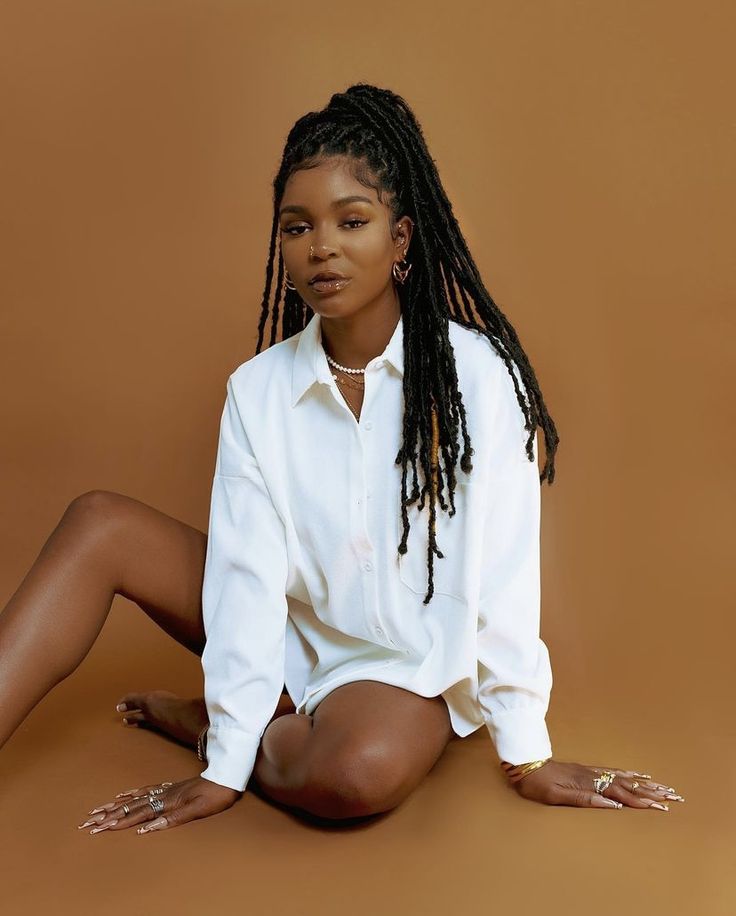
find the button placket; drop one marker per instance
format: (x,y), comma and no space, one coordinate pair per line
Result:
(362,543)
(369,581)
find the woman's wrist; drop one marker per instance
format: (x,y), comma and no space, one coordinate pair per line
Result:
(517,771)
(201,744)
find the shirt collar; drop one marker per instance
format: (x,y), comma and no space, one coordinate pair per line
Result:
(310,362)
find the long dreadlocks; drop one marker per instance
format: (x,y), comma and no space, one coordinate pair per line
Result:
(384,144)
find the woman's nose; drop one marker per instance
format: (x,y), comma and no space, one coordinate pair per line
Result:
(321,250)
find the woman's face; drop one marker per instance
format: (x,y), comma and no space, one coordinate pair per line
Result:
(321,231)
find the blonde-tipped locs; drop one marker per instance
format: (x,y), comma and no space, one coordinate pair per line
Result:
(377,133)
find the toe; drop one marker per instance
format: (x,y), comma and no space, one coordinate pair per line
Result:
(131,701)
(134,718)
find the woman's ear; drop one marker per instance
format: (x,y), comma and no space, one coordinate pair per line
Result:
(404,229)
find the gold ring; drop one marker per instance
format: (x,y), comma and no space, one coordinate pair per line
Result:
(602,782)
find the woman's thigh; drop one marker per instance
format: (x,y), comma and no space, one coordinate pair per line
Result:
(377,742)
(160,564)
(155,560)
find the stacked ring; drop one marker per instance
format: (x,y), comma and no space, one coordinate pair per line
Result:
(602,782)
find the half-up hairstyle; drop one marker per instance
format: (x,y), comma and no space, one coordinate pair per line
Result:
(384,143)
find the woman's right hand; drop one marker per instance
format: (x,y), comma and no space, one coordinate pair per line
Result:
(188,800)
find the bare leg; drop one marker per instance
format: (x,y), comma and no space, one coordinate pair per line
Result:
(367,745)
(365,749)
(105,544)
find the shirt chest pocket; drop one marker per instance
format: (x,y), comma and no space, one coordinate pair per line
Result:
(454,537)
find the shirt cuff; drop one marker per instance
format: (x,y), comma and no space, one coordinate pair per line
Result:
(231,756)
(519,735)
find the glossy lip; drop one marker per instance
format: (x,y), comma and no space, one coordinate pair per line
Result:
(328,275)
(328,287)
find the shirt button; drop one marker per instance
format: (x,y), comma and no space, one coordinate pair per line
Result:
(368,567)
(369,425)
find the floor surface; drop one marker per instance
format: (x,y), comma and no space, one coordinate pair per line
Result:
(462,843)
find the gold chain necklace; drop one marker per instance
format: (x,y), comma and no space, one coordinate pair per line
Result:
(355,385)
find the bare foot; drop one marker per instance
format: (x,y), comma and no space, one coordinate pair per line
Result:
(164,711)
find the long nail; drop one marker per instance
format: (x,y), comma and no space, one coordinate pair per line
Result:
(104,827)
(121,707)
(675,797)
(96,810)
(661,807)
(153,825)
(85,824)
(643,775)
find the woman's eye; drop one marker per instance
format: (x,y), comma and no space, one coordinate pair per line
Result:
(294,230)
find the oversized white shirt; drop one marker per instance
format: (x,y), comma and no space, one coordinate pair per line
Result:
(303,582)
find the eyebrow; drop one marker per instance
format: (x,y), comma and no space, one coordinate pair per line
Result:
(340,202)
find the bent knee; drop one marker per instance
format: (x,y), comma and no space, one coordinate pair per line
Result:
(97,513)
(100,503)
(354,782)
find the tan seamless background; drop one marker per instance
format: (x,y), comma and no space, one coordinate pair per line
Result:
(588,151)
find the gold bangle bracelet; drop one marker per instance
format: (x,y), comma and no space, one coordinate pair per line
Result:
(201,755)
(518,771)
(515,770)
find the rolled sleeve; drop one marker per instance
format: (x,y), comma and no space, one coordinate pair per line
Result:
(244,606)
(514,671)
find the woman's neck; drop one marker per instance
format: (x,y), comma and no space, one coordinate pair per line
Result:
(355,340)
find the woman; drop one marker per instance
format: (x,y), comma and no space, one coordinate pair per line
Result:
(397,614)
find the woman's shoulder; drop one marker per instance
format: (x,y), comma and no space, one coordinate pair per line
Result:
(489,391)
(476,358)
(265,369)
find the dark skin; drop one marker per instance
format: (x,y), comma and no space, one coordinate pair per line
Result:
(357,239)
(357,324)
(360,240)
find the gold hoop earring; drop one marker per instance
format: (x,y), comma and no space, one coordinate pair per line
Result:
(288,281)
(400,274)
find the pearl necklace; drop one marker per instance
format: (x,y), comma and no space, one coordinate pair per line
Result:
(337,365)
(359,385)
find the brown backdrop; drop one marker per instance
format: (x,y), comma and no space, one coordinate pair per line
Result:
(588,150)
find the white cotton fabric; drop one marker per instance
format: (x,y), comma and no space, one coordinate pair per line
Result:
(303,582)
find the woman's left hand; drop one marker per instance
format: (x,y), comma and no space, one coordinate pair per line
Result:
(558,783)
(183,801)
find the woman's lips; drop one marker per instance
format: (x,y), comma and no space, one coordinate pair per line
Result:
(330,286)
